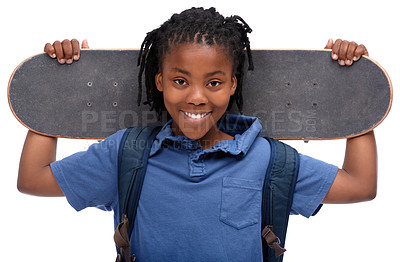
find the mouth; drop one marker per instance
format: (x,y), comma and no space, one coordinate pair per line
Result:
(196,115)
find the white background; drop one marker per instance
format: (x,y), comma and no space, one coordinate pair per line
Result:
(48,229)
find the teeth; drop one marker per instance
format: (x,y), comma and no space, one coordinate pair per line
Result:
(195,116)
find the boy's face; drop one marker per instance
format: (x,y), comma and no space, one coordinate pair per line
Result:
(197,81)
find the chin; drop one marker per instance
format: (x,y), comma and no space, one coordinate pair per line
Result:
(194,136)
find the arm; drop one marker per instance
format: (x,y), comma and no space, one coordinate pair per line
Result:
(357,180)
(35,176)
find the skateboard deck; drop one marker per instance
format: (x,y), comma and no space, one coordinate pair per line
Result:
(296,94)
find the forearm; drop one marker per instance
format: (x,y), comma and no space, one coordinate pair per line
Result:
(361,158)
(357,180)
(361,163)
(35,176)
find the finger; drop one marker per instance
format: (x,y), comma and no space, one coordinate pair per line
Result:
(67,47)
(59,52)
(76,51)
(335,49)
(85,44)
(360,50)
(343,52)
(350,53)
(49,49)
(329,44)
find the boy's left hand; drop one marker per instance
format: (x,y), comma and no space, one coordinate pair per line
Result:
(346,52)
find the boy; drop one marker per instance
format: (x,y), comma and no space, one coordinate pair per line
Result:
(202,193)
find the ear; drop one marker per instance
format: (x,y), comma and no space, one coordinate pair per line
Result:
(158,79)
(234,85)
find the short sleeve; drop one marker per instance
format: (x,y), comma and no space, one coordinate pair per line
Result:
(313,183)
(89,178)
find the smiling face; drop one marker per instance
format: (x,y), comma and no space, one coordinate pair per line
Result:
(197,81)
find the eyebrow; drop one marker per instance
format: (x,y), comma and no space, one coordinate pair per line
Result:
(176,69)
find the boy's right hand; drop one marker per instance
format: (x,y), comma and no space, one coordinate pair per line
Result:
(66,51)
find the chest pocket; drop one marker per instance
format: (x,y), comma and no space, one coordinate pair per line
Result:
(240,202)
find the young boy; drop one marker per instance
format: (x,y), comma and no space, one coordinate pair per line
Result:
(201,198)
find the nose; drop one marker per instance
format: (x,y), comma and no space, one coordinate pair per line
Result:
(196,95)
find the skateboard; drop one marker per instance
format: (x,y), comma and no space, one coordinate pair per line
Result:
(296,94)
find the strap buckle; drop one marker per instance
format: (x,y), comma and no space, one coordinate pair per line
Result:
(272,240)
(121,239)
(120,259)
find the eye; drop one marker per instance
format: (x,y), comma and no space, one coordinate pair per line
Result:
(214,83)
(180,82)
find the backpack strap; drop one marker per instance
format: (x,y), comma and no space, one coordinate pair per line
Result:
(278,189)
(133,153)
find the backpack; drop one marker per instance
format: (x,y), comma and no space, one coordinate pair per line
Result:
(277,195)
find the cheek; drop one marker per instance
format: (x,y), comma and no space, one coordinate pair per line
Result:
(222,99)
(171,97)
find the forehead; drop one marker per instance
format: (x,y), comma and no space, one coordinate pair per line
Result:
(195,54)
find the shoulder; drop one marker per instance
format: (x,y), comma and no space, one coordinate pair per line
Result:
(113,141)
(89,178)
(103,151)
(313,183)
(310,166)
(106,147)
(259,145)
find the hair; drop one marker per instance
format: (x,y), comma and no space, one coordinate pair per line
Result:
(195,25)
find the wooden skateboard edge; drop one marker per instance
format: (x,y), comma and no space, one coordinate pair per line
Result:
(278,138)
(22,122)
(8,95)
(368,130)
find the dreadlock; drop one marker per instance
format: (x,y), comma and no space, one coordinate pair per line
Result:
(195,25)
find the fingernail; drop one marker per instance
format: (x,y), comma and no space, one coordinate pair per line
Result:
(341,62)
(335,56)
(62,61)
(348,62)
(69,61)
(355,58)
(53,55)
(329,40)
(76,57)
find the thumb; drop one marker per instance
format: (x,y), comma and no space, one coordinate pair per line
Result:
(329,45)
(85,44)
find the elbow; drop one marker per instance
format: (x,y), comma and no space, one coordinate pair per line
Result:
(23,186)
(372,190)
(28,188)
(368,194)
(22,189)
(367,187)
(371,194)
(39,184)
(363,193)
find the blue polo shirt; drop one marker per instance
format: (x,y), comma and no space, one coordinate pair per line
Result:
(195,205)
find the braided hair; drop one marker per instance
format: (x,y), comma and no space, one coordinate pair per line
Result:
(195,25)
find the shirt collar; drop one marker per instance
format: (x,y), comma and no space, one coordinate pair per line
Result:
(244,129)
